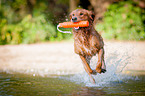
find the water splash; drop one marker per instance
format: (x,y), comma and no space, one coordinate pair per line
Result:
(114,64)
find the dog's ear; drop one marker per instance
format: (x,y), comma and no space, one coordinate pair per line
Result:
(91,15)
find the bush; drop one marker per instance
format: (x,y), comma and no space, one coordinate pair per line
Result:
(123,21)
(37,29)
(18,26)
(29,30)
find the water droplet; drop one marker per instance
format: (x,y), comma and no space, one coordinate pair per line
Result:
(33,74)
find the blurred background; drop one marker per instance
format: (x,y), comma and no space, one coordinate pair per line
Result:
(31,21)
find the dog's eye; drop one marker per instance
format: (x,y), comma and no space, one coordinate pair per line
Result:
(73,14)
(81,14)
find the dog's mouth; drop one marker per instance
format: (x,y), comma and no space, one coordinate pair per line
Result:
(76,28)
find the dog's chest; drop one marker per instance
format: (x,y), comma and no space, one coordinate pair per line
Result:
(83,45)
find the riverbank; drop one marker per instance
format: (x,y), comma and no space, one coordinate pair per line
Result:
(59,58)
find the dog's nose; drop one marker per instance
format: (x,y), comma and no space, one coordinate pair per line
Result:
(74,19)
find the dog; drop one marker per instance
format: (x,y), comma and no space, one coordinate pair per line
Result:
(88,42)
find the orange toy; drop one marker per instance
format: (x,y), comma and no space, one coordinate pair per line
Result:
(75,24)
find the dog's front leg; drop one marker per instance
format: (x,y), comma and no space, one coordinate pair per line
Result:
(87,68)
(101,64)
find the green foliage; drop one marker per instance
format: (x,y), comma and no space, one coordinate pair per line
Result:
(36,29)
(29,30)
(21,24)
(61,36)
(123,21)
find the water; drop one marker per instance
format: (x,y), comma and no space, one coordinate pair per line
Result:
(28,85)
(43,73)
(112,83)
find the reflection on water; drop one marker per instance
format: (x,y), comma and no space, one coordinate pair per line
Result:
(28,85)
(24,85)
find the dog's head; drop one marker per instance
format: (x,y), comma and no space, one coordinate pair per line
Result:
(82,15)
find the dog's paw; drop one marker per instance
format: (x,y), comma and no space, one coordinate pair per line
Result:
(103,70)
(98,70)
(94,72)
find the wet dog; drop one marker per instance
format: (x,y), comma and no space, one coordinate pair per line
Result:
(88,42)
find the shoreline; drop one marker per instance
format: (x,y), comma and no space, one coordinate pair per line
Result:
(59,58)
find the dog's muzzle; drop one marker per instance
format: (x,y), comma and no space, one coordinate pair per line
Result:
(74,19)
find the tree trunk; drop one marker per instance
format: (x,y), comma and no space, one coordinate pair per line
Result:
(30,4)
(73,4)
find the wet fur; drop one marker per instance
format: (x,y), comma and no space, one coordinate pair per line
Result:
(88,42)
